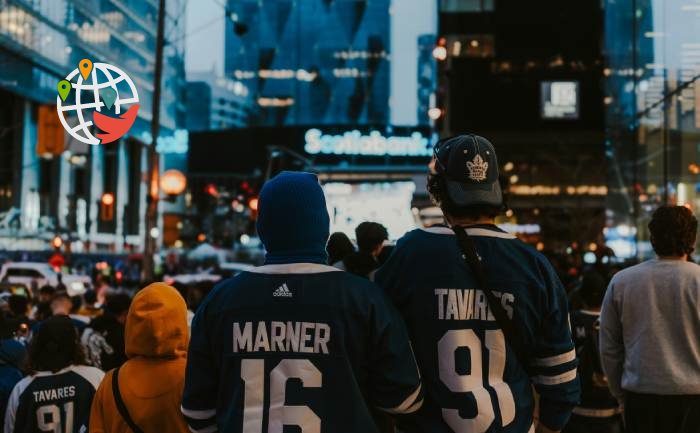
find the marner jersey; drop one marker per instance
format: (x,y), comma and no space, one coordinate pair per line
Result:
(304,346)
(473,380)
(53,402)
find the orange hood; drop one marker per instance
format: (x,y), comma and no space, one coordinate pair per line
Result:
(156,326)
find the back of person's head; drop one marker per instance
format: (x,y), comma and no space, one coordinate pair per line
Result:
(156,326)
(46,293)
(55,346)
(18,305)
(90,298)
(673,231)
(117,303)
(592,289)
(370,236)
(339,246)
(464,179)
(293,221)
(61,303)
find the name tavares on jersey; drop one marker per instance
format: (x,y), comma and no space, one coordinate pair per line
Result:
(469,304)
(302,337)
(53,394)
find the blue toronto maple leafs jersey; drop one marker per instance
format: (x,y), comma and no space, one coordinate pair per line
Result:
(304,346)
(53,402)
(473,381)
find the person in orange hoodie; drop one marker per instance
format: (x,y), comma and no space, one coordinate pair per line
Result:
(151,382)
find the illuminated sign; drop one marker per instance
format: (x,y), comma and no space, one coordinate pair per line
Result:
(374,144)
(178,143)
(560,99)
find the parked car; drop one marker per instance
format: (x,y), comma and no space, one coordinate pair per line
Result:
(29,273)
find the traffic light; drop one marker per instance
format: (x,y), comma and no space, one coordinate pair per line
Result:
(50,133)
(107,207)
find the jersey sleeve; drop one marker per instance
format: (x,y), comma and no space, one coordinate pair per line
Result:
(201,377)
(553,365)
(13,404)
(612,349)
(395,384)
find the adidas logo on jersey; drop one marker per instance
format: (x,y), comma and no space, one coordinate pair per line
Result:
(283,292)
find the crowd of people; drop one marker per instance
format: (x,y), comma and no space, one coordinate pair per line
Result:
(458,328)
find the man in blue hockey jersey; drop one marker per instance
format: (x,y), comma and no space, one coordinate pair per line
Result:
(296,345)
(486,313)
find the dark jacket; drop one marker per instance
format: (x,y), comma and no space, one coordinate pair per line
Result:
(12,355)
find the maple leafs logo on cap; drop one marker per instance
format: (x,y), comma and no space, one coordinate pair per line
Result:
(477,168)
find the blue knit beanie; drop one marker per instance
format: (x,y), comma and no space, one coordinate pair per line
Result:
(293,221)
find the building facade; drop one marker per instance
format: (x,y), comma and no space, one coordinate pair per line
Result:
(530,79)
(216,103)
(43,194)
(653,114)
(312,61)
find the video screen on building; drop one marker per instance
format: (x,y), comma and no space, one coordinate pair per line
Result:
(388,203)
(559,99)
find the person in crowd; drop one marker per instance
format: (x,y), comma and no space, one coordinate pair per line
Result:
(20,308)
(150,383)
(12,358)
(598,411)
(339,246)
(296,342)
(42,309)
(89,307)
(57,394)
(62,305)
(370,241)
(384,254)
(649,329)
(487,315)
(103,338)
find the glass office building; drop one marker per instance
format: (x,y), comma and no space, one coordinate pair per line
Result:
(653,114)
(41,41)
(312,61)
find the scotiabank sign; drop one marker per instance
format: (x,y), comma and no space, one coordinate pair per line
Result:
(372,144)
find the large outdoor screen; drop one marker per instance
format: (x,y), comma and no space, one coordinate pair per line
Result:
(388,203)
(559,99)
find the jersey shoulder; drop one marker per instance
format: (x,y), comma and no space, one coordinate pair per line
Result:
(93,375)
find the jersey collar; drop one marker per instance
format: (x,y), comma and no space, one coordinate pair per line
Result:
(294,268)
(483,230)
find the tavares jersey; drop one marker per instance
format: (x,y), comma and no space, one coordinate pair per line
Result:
(53,402)
(298,347)
(473,380)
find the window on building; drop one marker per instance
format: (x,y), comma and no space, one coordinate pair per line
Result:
(467,5)
(470,46)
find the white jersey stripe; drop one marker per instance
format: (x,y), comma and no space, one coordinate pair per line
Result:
(555,360)
(473,231)
(210,429)
(555,380)
(407,404)
(198,414)
(294,268)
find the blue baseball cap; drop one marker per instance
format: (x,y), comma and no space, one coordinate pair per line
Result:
(469,166)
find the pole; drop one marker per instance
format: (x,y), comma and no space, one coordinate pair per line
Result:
(153,160)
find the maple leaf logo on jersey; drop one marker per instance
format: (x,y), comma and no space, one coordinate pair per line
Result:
(477,168)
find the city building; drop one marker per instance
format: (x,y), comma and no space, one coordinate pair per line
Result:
(653,114)
(216,103)
(94,196)
(530,78)
(312,62)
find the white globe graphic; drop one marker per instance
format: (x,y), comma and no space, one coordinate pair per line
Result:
(103,75)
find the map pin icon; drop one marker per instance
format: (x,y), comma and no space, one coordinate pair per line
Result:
(64,87)
(109,95)
(85,67)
